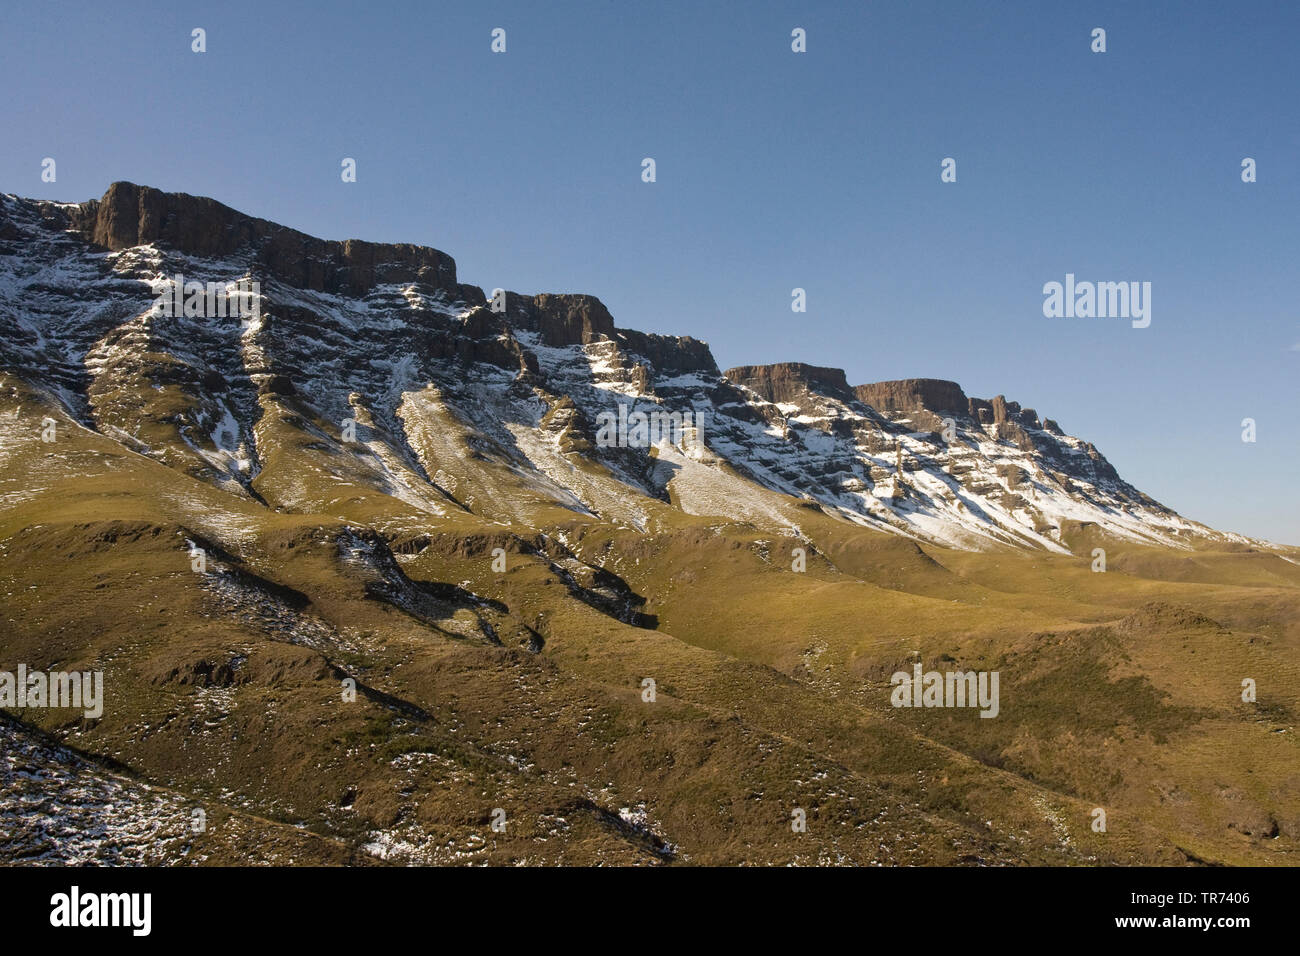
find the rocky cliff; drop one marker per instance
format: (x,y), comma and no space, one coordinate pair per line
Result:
(459,402)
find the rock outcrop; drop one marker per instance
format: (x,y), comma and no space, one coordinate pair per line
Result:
(791,381)
(910,394)
(129,215)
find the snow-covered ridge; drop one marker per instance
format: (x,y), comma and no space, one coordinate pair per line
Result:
(420,391)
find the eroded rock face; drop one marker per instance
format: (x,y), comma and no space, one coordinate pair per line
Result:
(129,215)
(942,398)
(671,354)
(563,320)
(384,336)
(910,394)
(788,382)
(901,425)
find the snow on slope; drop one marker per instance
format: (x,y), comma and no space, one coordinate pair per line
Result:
(443,420)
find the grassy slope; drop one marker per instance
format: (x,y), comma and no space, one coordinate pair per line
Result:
(1120,690)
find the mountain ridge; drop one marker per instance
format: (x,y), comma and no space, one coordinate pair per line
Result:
(362,574)
(353,328)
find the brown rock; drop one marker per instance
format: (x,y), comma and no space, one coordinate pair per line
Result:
(130,215)
(790,381)
(913,394)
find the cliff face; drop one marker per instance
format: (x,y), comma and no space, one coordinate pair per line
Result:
(927,404)
(129,215)
(911,394)
(945,398)
(500,398)
(791,381)
(561,320)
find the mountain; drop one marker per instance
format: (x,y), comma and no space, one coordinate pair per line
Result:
(385,336)
(379,567)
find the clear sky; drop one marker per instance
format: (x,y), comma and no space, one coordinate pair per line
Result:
(775,170)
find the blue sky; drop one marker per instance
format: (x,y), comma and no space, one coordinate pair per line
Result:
(775,170)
